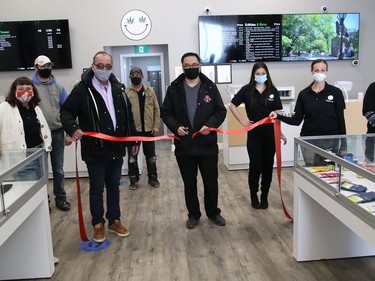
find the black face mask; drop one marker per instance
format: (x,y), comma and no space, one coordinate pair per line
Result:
(191,73)
(45,73)
(136,80)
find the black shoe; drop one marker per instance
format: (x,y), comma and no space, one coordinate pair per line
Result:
(255,205)
(192,223)
(264,204)
(133,186)
(255,202)
(218,220)
(154,183)
(62,204)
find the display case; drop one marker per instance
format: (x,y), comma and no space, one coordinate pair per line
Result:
(334,197)
(25,241)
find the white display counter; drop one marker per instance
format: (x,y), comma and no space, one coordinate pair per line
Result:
(328,224)
(25,242)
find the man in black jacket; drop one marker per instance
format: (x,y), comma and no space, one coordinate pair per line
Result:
(100,104)
(193,103)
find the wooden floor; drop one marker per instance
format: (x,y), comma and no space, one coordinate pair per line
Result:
(254,245)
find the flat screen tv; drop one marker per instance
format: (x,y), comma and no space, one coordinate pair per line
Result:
(22,41)
(278,37)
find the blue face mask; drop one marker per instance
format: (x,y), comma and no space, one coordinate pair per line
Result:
(260,79)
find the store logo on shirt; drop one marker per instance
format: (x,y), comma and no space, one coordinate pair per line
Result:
(207,99)
(329,99)
(271,97)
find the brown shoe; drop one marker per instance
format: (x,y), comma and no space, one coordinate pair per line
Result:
(118,228)
(99,233)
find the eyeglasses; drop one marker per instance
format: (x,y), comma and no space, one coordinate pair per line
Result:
(194,65)
(102,66)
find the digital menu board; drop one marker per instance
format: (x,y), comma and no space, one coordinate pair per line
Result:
(22,41)
(286,37)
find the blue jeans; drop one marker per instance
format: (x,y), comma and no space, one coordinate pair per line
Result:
(104,173)
(57,162)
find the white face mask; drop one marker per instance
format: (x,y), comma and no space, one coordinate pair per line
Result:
(319,77)
(102,74)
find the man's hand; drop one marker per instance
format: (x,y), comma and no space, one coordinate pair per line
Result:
(135,149)
(154,131)
(203,131)
(67,140)
(77,135)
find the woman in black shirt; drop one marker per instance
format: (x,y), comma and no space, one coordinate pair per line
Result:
(321,108)
(260,97)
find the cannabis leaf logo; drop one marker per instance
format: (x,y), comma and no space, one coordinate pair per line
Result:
(130,20)
(142,19)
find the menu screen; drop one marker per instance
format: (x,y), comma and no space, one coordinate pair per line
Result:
(240,38)
(22,41)
(287,37)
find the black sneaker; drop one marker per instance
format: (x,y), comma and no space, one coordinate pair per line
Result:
(192,223)
(218,220)
(62,204)
(154,183)
(133,186)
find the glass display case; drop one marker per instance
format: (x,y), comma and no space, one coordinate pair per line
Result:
(21,171)
(24,215)
(334,197)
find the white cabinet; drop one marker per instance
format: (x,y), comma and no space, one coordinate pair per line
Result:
(25,242)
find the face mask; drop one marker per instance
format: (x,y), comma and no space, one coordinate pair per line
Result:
(260,79)
(102,74)
(191,73)
(45,73)
(136,80)
(24,96)
(319,77)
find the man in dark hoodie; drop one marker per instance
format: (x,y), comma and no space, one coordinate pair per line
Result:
(192,104)
(98,104)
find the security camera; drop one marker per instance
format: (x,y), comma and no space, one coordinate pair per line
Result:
(207,10)
(355,62)
(324,9)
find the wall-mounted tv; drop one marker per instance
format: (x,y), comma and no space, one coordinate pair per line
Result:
(278,37)
(22,41)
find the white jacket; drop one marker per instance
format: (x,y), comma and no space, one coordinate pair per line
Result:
(12,135)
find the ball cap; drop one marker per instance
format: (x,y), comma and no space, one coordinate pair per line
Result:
(42,60)
(136,69)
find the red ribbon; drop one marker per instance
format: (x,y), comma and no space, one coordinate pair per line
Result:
(277,135)
(82,230)
(267,120)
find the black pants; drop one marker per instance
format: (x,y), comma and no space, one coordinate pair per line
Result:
(149,152)
(261,150)
(207,165)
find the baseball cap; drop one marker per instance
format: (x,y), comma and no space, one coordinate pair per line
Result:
(136,69)
(42,60)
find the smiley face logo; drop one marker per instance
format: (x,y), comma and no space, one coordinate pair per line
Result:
(136,25)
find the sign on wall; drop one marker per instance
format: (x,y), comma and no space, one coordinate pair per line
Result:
(136,25)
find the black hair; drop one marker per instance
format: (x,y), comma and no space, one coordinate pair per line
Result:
(190,54)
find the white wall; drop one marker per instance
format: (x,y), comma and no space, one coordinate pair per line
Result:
(94,24)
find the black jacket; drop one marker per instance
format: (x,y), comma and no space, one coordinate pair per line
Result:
(210,112)
(79,111)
